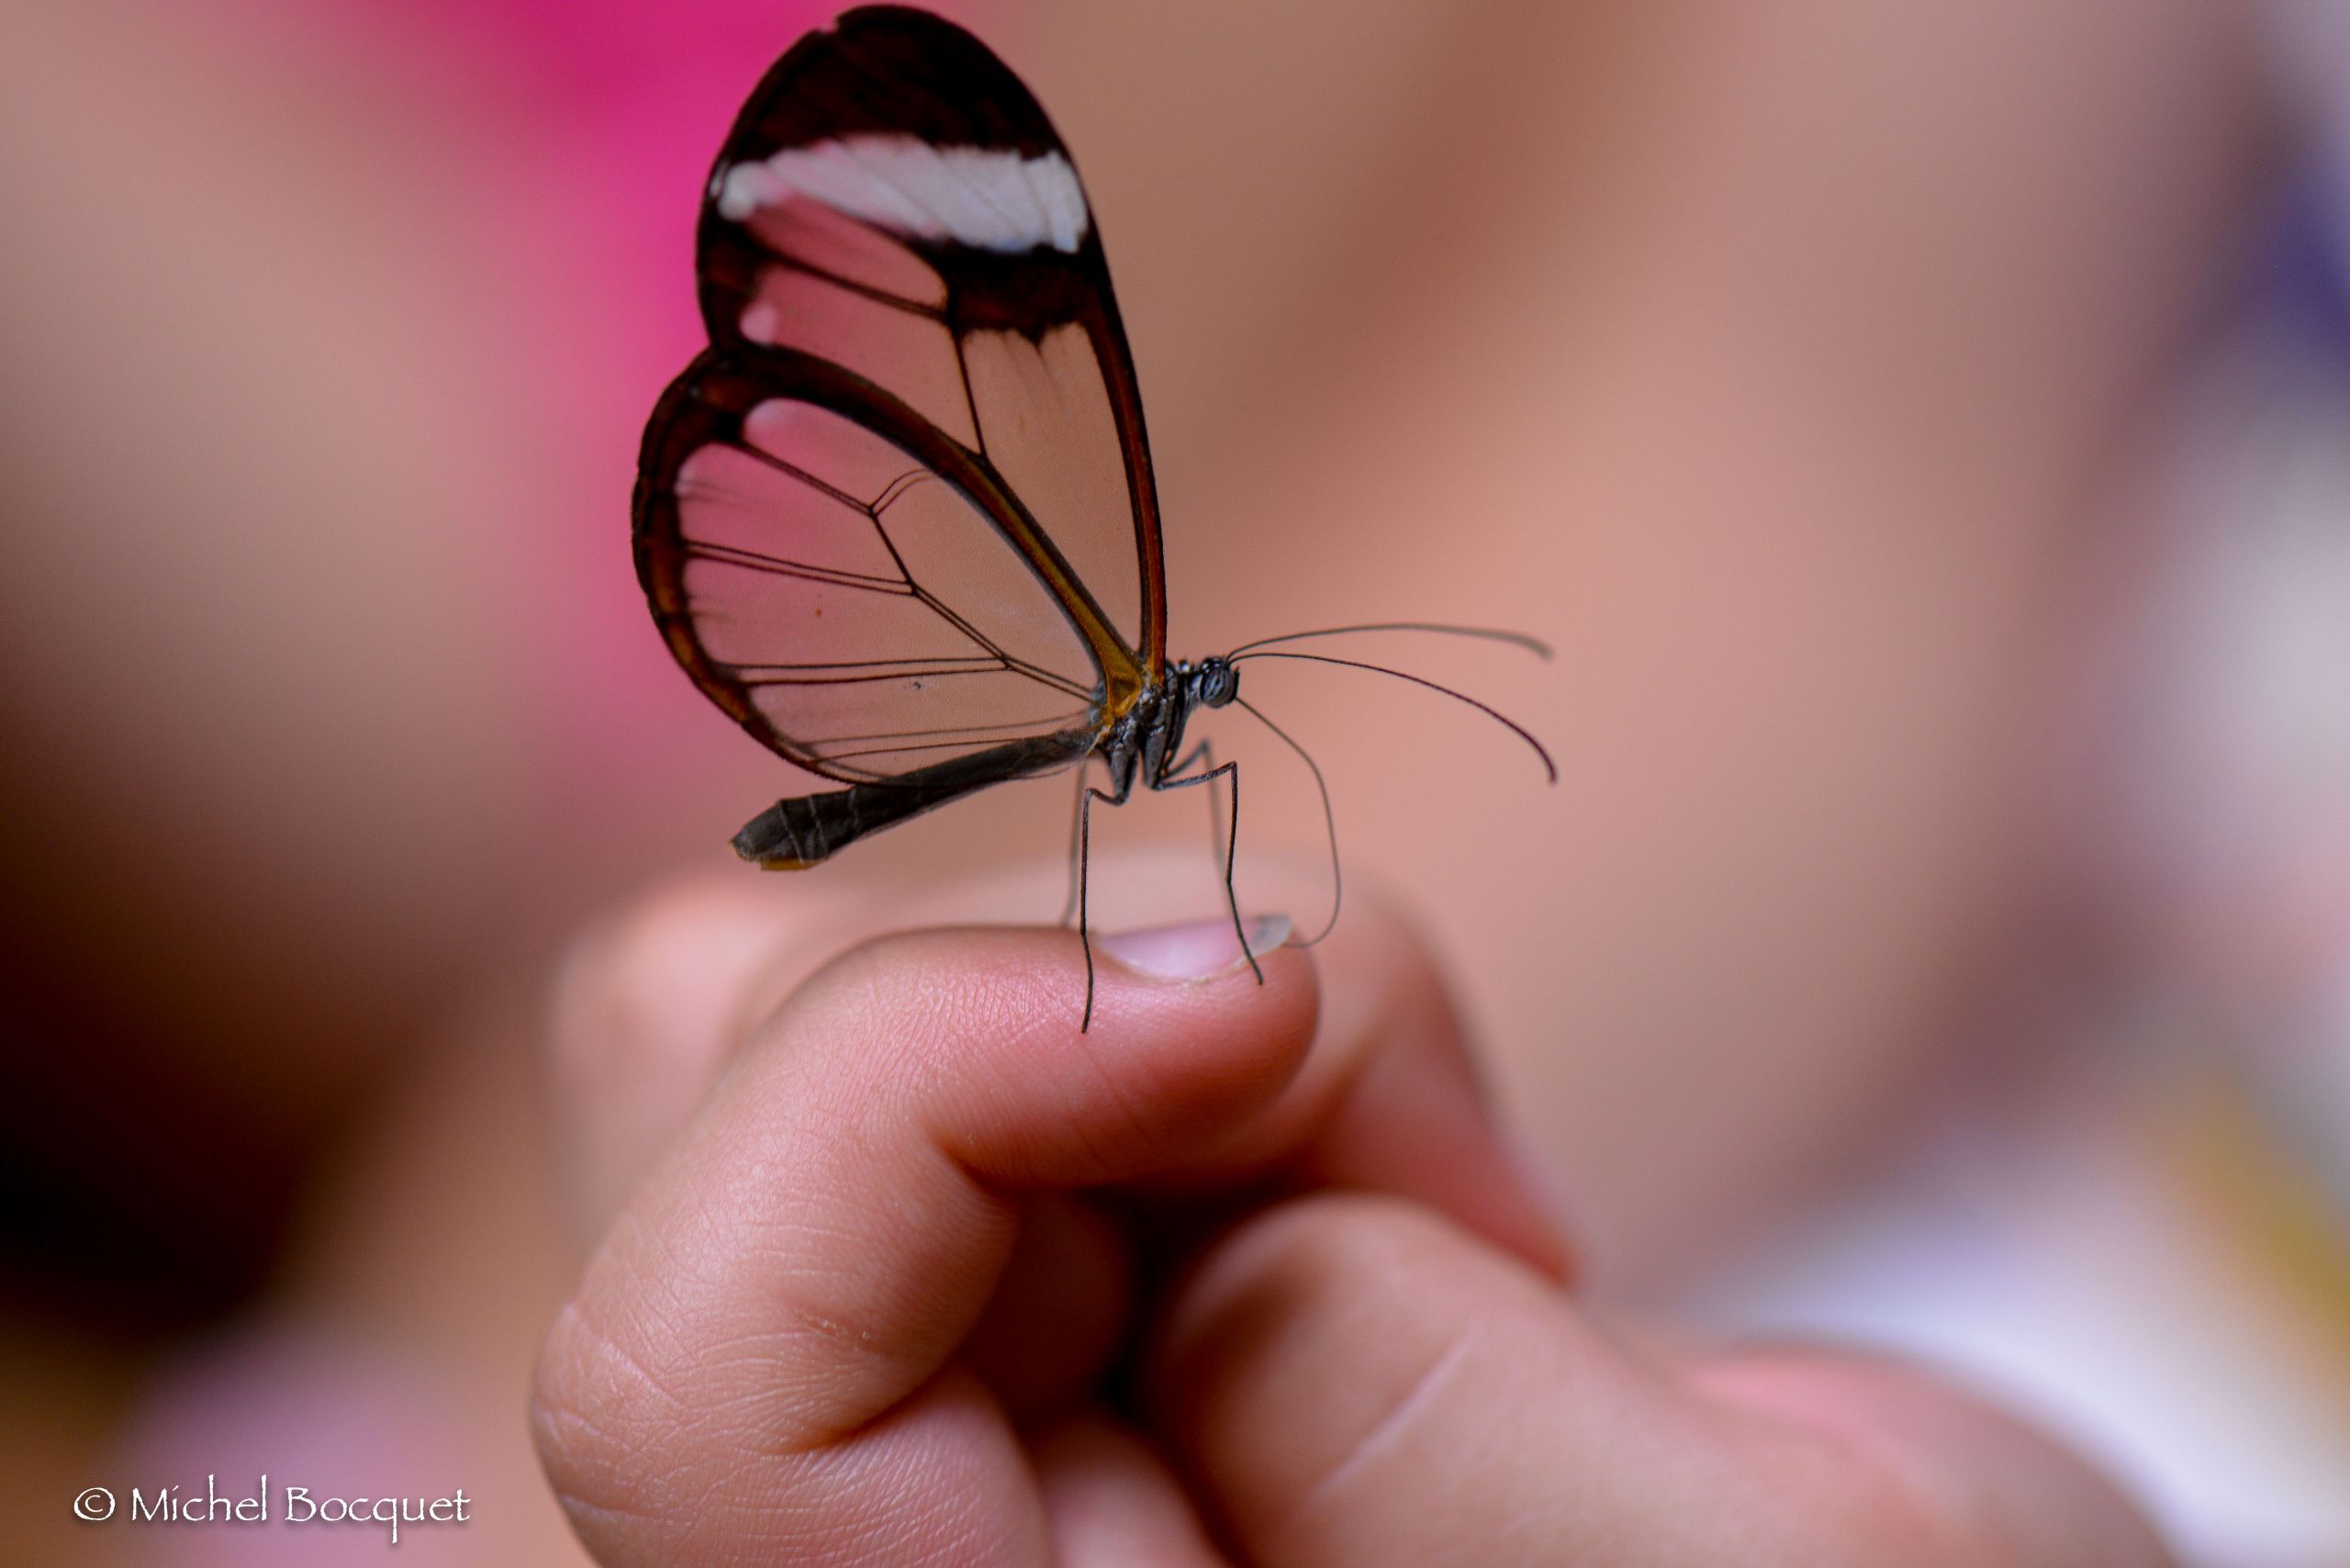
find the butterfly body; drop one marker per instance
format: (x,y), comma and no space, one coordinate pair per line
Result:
(1150,738)
(1142,744)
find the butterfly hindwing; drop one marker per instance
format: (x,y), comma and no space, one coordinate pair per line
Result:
(792,521)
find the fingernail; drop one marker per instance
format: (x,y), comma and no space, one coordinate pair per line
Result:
(1196,952)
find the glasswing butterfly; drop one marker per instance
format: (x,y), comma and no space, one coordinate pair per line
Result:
(898,518)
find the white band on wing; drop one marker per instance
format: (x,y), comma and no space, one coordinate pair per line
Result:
(989,198)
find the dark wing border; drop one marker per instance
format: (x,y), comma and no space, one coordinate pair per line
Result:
(708,403)
(891,69)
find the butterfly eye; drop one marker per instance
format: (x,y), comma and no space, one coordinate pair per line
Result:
(1219,683)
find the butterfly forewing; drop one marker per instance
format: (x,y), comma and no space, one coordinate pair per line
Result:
(901,510)
(1049,428)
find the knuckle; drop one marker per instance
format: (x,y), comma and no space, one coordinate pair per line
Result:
(1335,1242)
(878,977)
(1298,1281)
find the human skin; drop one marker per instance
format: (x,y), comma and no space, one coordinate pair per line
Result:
(906,1269)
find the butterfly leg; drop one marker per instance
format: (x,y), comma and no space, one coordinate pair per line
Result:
(1231,846)
(1205,754)
(1085,799)
(1076,822)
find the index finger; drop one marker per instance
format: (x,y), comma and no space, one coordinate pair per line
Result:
(757,1359)
(1389,1100)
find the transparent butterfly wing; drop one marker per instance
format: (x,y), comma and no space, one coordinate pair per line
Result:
(900,511)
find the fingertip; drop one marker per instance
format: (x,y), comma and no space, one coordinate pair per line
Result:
(1198,950)
(1112,1502)
(1025,1090)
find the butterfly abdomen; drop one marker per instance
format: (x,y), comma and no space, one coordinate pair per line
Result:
(794,835)
(790,835)
(808,830)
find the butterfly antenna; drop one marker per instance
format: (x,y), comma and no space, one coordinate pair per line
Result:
(1516,728)
(1329,819)
(1491,633)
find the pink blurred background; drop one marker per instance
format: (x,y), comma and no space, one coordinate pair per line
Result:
(1923,435)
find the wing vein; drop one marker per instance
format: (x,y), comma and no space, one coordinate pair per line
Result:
(757,561)
(879,295)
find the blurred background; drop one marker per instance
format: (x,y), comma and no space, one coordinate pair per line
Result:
(1925,433)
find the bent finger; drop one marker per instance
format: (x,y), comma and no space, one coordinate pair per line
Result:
(1112,1502)
(773,1314)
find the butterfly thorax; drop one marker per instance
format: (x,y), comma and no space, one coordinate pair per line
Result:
(1149,736)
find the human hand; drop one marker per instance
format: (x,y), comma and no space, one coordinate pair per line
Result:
(925,1275)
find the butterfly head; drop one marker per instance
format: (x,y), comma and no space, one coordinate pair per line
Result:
(1213,681)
